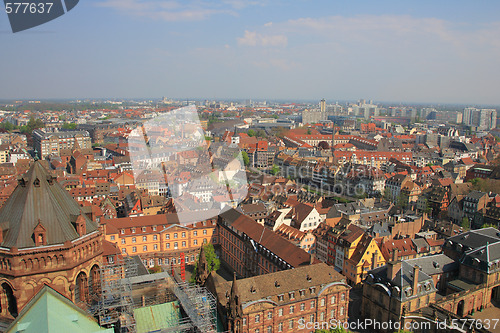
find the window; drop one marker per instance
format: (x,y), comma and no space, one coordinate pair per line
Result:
(167,236)
(257,331)
(302,292)
(204,241)
(342,297)
(280,327)
(311,318)
(332,314)
(322,316)
(122,231)
(143,229)
(313,290)
(176,245)
(155,237)
(280,312)
(183,235)
(322,302)
(269,315)
(112,237)
(269,329)
(292,309)
(123,251)
(144,238)
(160,261)
(175,235)
(195,242)
(205,232)
(123,240)
(134,249)
(312,304)
(133,239)
(334,299)
(168,245)
(290,323)
(341,312)
(133,230)
(302,306)
(145,248)
(183,244)
(280,298)
(154,228)
(195,233)
(155,247)
(244,322)
(257,318)
(292,295)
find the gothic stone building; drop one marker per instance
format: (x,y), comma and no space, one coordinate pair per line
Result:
(285,301)
(46,239)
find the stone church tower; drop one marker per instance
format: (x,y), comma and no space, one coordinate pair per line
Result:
(46,239)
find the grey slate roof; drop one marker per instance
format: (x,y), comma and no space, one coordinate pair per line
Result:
(435,264)
(39,197)
(402,282)
(485,258)
(475,238)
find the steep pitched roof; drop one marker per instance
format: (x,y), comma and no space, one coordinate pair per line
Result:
(290,253)
(50,311)
(39,198)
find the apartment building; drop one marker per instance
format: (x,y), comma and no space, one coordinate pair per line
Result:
(159,239)
(47,143)
(251,249)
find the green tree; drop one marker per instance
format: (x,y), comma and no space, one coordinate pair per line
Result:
(251,132)
(7,126)
(402,200)
(32,125)
(275,169)
(211,258)
(246,159)
(488,225)
(69,126)
(465,223)
(387,194)
(308,131)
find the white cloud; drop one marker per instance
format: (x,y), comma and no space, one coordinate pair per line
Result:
(252,38)
(171,11)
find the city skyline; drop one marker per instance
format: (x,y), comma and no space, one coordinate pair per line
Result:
(443,53)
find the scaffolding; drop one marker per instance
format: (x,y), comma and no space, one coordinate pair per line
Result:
(200,306)
(124,292)
(116,303)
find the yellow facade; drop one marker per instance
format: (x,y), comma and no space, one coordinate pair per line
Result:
(357,265)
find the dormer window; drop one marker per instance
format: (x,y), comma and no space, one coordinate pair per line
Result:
(40,234)
(36,183)
(81,225)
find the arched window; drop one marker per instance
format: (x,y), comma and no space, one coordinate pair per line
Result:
(94,282)
(81,290)
(11,299)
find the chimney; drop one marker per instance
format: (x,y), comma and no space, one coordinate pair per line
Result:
(374,260)
(393,266)
(312,259)
(416,270)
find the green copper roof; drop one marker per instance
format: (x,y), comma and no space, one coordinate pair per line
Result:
(157,317)
(40,198)
(50,312)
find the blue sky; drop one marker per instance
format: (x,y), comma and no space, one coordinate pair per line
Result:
(419,51)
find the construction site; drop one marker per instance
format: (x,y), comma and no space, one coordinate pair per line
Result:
(160,302)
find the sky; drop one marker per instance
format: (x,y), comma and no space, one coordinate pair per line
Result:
(402,51)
